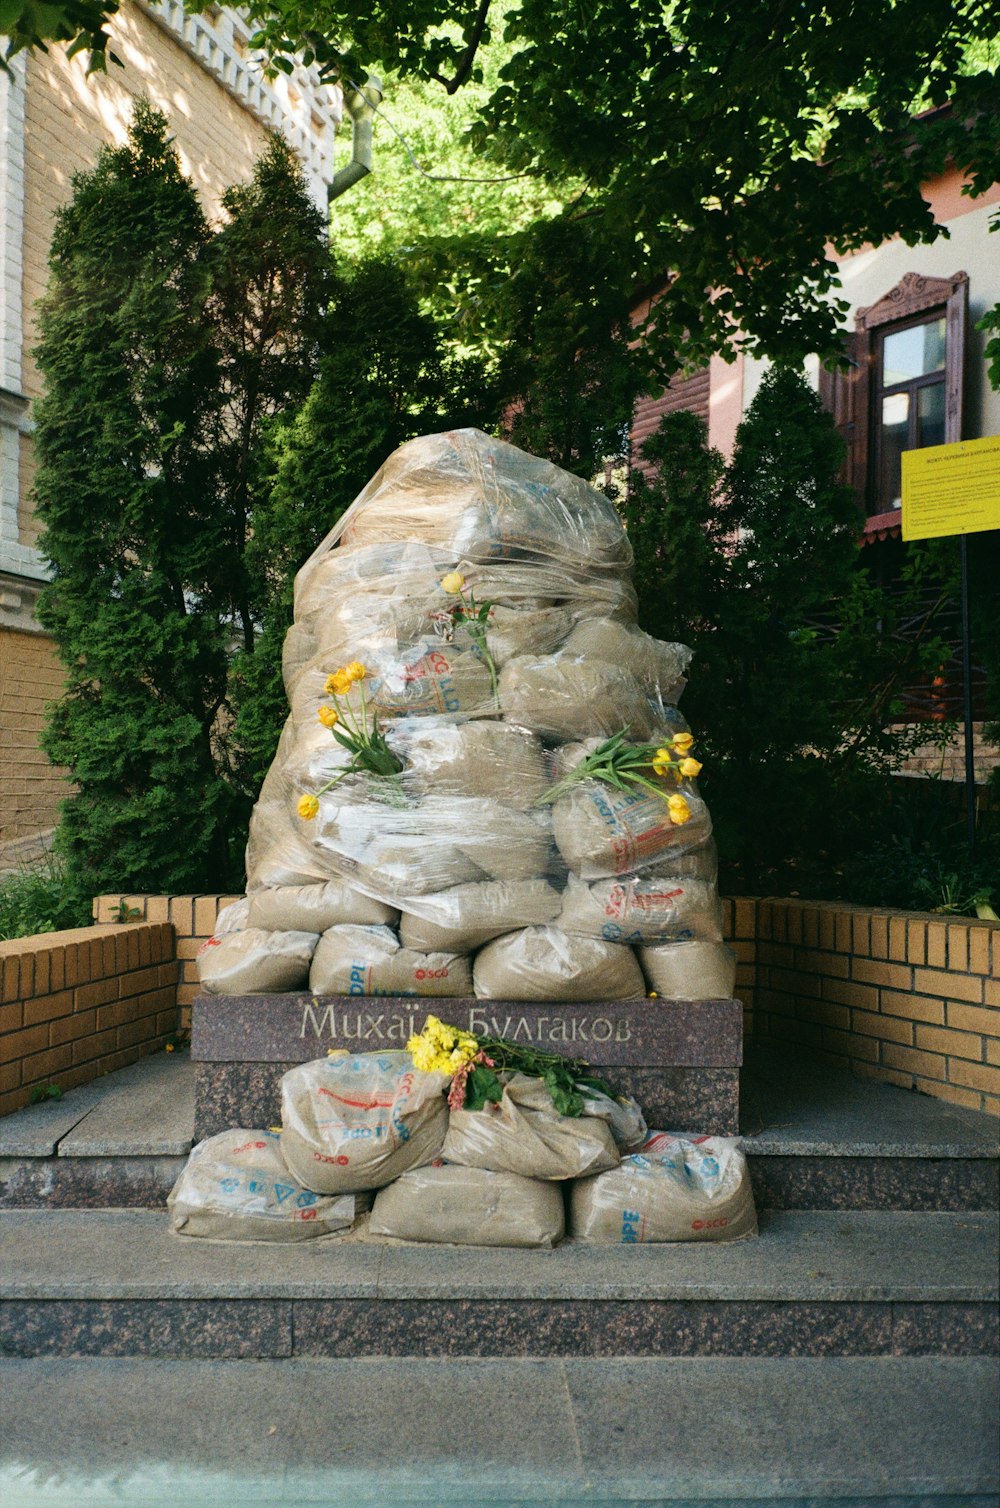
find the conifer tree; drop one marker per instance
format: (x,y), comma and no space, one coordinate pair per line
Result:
(165,350)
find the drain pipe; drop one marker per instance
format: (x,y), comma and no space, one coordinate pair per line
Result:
(361,105)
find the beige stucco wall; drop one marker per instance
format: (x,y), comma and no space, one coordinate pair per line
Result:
(70,115)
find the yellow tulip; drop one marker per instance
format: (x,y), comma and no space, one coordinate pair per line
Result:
(329,717)
(679,810)
(690,768)
(355,671)
(338,684)
(663,756)
(682,742)
(308,807)
(661,767)
(453,582)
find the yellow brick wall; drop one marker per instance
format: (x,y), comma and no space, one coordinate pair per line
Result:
(30,787)
(77,1004)
(908,998)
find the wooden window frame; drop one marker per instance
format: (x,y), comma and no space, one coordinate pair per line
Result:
(849,395)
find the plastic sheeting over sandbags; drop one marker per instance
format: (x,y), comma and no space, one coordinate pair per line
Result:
(544,963)
(235,1187)
(314,908)
(640,910)
(602,832)
(470,1207)
(371,961)
(478,497)
(677,1188)
(564,696)
(525,1134)
(464,918)
(354,1123)
(255,961)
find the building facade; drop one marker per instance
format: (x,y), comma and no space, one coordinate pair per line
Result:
(917,377)
(201,72)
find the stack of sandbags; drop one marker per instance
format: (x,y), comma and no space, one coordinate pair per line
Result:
(459,874)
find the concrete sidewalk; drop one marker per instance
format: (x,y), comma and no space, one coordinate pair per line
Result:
(794,1431)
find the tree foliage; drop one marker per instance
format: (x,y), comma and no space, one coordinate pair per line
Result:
(798,665)
(164,348)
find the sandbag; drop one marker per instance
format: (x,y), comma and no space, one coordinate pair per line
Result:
(358,1122)
(656,665)
(314,908)
(535,585)
(462,919)
(544,963)
(699,863)
(232,918)
(426,678)
(235,1187)
(279,853)
(622,1114)
(601,831)
(371,961)
(525,1134)
(255,962)
(394,852)
(469,1207)
(484,499)
(402,569)
(677,1188)
(562,696)
(636,909)
(690,970)
(513,631)
(488,760)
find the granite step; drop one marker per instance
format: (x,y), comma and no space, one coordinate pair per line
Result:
(816,1138)
(120,1141)
(818,1283)
(803,1432)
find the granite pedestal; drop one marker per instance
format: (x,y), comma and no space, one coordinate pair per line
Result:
(679,1058)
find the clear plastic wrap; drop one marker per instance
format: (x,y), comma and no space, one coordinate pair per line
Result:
(470,1207)
(474,496)
(235,1187)
(544,963)
(641,910)
(357,1122)
(463,640)
(525,1134)
(677,1188)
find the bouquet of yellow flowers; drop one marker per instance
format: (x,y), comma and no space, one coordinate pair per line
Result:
(474,1063)
(355,730)
(629,767)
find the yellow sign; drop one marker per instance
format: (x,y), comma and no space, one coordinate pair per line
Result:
(951,489)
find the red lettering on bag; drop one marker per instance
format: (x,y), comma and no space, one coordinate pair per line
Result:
(709,1224)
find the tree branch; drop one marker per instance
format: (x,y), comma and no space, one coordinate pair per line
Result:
(468,57)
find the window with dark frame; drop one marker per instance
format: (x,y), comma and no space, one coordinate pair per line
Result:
(903,387)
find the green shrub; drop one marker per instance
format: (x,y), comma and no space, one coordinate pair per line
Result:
(40,898)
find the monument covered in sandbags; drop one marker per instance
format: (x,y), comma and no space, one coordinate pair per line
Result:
(484,786)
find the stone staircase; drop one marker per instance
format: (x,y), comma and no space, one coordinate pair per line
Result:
(873,1286)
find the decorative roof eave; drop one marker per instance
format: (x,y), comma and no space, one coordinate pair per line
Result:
(301,106)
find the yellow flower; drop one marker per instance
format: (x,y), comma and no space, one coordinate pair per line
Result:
(661,766)
(679,810)
(308,807)
(453,582)
(355,671)
(652,995)
(329,717)
(662,756)
(690,768)
(682,742)
(338,684)
(169,1047)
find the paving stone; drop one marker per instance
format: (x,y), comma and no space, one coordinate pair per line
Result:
(37,1130)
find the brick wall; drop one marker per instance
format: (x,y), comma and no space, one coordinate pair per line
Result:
(192,918)
(908,998)
(30,787)
(947,762)
(77,1004)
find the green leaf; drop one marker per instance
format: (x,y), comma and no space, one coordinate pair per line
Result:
(482,1087)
